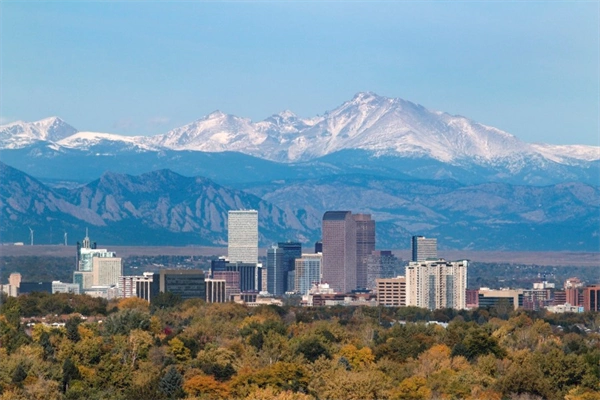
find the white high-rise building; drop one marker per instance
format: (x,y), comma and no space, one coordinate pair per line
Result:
(242,236)
(106,271)
(307,272)
(86,257)
(436,284)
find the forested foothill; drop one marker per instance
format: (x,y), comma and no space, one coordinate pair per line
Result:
(169,349)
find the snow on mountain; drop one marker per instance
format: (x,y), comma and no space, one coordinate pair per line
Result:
(215,132)
(566,154)
(90,140)
(383,124)
(21,134)
(369,122)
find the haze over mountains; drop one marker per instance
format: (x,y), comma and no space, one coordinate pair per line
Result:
(417,171)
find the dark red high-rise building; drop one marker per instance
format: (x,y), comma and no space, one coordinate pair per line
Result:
(365,245)
(339,250)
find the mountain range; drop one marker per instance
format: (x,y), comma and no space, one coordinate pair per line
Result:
(369,132)
(165,208)
(416,171)
(156,208)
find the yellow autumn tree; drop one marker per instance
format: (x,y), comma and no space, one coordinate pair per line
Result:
(179,351)
(205,386)
(357,358)
(413,388)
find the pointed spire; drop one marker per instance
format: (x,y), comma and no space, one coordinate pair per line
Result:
(86,241)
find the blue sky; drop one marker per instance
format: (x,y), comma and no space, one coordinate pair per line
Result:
(530,68)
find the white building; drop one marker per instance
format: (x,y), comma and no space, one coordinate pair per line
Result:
(87,256)
(564,308)
(84,279)
(105,292)
(307,272)
(106,271)
(62,287)
(436,284)
(242,236)
(14,282)
(128,284)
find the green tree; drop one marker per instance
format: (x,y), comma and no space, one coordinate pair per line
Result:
(171,384)
(477,343)
(19,375)
(312,348)
(163,301)
(69,373)
(72,327)
(46,345)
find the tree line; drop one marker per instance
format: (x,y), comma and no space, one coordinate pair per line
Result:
(173,349)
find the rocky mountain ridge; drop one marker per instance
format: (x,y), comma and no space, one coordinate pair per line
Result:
(153,208)
(165,208)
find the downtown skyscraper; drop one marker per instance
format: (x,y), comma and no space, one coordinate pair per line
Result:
(276,271)
(339,250)
(365,245)
(242,236)
(423,248)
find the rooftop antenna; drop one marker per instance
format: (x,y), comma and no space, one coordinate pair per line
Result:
(86,241)
(65,238)
(31,235)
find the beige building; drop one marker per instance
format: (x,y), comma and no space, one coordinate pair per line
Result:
(215,291)
(436,284)
(494,297)
(14,282)
(391,292)
(106,271)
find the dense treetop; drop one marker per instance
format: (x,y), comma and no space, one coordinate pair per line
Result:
(173,349)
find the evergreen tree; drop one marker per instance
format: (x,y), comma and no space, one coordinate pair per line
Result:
(46,345)
(72,331)
(70,372)
(171,384)
(19,375)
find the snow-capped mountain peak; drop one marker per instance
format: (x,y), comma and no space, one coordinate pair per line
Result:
(21,134)
(287,114)
(378,124)
(89,140)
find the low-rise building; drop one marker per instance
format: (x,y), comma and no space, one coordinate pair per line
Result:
(61,287)
(489,298)
(391,292)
